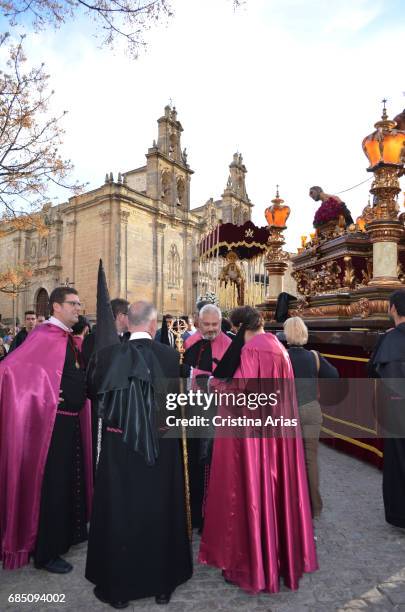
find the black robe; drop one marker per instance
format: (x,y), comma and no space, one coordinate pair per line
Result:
(388,363)
(138,544)
(88,349)
(19,339)
(199,355)
(62,519)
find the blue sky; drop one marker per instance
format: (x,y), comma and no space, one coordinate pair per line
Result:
(293,84)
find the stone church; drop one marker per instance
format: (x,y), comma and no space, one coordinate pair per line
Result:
(141,225)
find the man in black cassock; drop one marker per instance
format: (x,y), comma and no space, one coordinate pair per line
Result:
(62,519)
(138,544)
(388,363)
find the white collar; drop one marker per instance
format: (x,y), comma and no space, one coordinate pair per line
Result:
(140,335)
(55,321)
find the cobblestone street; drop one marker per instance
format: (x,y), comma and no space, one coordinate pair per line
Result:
(361,558)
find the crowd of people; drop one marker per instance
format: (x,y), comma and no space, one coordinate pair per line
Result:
(99,463)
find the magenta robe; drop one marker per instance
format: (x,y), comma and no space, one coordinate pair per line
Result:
(258,523)
(29,394)
(218,348)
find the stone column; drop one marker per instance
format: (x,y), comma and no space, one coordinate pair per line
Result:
(385,235)
(124,216)
(105,217)
(383,226)
(160,260)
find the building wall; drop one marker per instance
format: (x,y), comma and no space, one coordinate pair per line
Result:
(137,181)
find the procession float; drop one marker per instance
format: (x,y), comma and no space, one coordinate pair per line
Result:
(345,272)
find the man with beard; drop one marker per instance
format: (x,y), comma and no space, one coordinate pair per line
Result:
(45,443)
(317,193)
(30,323)
(204,350)
(388,363)
(138,543)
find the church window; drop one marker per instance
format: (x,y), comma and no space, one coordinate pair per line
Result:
(173,143)
(166,187)
(174,267)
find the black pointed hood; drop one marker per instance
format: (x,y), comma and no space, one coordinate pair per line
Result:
(106,332)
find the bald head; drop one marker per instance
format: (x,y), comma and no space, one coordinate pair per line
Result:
(142,316)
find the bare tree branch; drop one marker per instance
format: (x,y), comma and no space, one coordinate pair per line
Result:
(29,138)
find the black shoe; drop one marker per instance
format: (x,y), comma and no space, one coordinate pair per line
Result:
(56,566)
(118,605)
(163,599)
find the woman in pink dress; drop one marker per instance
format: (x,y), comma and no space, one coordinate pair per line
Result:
(258,524)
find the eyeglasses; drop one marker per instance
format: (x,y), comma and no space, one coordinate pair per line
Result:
(78,304)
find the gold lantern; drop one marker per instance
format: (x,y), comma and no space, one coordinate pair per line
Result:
(385,150)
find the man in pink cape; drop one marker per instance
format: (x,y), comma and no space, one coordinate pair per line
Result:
(45,443)
(257,525)
(204,350)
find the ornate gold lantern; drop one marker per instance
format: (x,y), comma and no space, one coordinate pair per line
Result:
(385,146)
(277,214)
(385,149)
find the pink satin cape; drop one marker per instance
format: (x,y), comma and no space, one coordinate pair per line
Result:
(258,524)
(29,393)
(218,348)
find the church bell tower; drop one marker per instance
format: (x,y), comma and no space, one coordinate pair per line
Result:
(168,172)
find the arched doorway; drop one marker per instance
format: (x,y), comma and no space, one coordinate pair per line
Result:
(42,305)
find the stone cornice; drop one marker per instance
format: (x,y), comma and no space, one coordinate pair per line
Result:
(169,160)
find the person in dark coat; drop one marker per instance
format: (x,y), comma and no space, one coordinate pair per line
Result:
(308,366)
(120,313)
(30,323)
(388,363)
(138,542)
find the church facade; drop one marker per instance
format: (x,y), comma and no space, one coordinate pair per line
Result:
(139,223)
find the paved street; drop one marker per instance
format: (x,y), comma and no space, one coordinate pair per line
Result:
(361,558)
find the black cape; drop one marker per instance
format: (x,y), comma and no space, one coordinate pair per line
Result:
(138,544)
(388,364)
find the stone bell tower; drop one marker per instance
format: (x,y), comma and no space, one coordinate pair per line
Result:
(168,173)
(236,206)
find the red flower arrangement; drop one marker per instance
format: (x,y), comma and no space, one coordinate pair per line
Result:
(329,210)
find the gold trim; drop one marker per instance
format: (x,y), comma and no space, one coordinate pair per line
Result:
(232,245)
(349,423)
(374,450)
(363,359)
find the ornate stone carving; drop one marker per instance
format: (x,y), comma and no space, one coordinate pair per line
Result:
(44,247)
(174,267)
(105,216)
